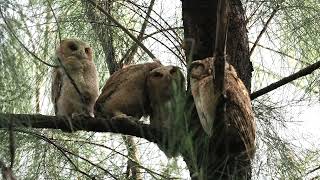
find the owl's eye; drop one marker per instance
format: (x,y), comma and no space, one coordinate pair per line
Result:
(73,46)
(87,50)
(173,70)
(197,70)
(198,67)
(156,74)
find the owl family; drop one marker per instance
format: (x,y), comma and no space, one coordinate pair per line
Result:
(75,82)
(124,93)
(238,116)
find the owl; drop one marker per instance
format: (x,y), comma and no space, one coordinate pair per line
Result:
(166,90)
(239,118)
(75,82)
(124,93)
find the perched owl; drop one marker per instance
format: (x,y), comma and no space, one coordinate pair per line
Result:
(166,89)
(75,82)
(124,93)
(166,92)
(238,117)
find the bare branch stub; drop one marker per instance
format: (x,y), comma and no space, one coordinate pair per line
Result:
(220,54)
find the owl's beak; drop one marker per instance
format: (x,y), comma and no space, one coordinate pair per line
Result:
(81,55)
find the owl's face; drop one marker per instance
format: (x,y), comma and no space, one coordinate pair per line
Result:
(200,69)
(75,48)
(163,81)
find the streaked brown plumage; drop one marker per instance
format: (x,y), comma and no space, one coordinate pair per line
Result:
(124,93)
(239,120)
(76,61)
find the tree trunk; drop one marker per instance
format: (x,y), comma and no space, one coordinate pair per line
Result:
(199,21)
(102,27)
(208,158)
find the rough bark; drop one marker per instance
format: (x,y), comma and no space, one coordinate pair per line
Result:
(208,159)
(199,34)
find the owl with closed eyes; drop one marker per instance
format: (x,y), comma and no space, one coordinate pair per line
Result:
(239,120)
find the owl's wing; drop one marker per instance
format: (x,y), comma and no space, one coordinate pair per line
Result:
(240,112)
(117,85)
(56,87)
(121,78)
(113,83)
(207,104)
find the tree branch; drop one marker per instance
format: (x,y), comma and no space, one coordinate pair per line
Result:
(126,126)
(61,149)
(128,57)
(93,3)
(286,80)
(220,45)
(263,30)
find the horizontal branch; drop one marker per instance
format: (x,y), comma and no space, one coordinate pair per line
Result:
(124,125)
(286,80)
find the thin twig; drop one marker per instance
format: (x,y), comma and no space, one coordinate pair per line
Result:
(253,13)
(56,19)
(286,80)
(177,38)
(64,151)
(263,30)
(93,3)
(15,36)
(117,152)
(281,53)
(313,170)
(127,58)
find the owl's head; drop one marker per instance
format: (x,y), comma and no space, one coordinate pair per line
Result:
(76,48)
(162,82)
(201,68)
